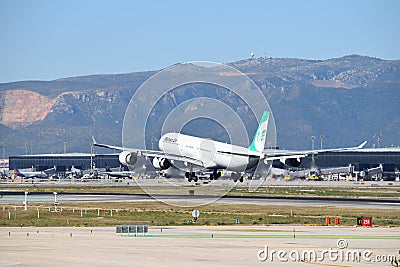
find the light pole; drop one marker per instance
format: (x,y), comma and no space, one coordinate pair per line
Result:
(321,137)
(312,148)
(378,136)
(91,157)
(4,150)
(152,143)
(65,147)
(26,148)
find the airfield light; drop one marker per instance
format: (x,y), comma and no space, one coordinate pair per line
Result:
(55,201)
(26,201)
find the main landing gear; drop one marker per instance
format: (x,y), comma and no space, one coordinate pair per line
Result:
(236,177)
(191,176)
(215,175)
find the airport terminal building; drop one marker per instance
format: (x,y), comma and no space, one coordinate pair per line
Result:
(362,160)
(63,162)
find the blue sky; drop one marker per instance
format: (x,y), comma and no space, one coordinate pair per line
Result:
(45,40)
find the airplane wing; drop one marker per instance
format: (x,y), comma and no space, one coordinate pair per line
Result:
(154,153)
(287,154)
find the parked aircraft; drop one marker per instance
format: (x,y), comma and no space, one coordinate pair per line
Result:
(201,154)
(31,174)
(116,174)
(74,172)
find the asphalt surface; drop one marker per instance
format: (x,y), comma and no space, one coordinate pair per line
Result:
(199,246)
(189,200)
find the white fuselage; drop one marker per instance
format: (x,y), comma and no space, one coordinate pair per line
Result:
(30,174)
(212,154)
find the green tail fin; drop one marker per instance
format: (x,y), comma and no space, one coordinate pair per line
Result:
(261,135)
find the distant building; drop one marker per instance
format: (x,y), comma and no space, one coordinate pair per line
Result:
(361,159)
(4,163)
(63,162)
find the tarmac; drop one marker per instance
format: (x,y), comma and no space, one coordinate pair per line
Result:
(192,201)
(285,245)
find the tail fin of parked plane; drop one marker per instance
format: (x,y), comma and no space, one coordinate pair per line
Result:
(261,135)
(107,167)
(17,172)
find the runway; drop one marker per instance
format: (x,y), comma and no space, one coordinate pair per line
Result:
(189,200)
(200,246)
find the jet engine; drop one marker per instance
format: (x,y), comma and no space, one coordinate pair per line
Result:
(161,163)
(127,158)
(293,162)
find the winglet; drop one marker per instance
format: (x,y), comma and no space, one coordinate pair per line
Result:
(94,140)
(107,167)
(362,145)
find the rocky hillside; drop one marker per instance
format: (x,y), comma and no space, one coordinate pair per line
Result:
(347,99)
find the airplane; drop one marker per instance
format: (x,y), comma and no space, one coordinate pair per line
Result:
(30,174)
(198,154)
(116,174)
(74,172)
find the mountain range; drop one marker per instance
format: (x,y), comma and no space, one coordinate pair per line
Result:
(347,100)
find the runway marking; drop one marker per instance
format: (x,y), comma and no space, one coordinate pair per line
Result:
(30,198)
(298,236)
(326,264)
